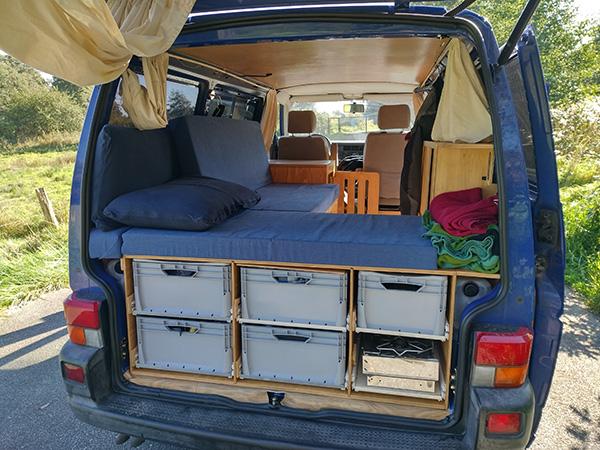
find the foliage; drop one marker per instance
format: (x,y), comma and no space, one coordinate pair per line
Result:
(30,108)
(38,112)
(178,105)
(16,78)
(80,95)
(569,49)
(33,254)
(577,137)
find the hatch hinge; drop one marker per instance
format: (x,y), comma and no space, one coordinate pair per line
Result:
(547,227)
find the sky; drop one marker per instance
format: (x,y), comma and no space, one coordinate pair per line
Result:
(588,8)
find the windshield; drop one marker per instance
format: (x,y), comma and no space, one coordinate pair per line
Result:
(338,125)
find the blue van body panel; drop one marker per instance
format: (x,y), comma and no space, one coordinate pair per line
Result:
(550,281)
(78,279)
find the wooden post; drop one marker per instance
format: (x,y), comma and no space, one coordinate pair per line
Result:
(46,205)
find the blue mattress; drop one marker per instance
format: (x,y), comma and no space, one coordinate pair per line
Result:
(375,241)
(296,197)
(106,244)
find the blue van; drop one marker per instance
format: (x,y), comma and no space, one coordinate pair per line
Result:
(343,277)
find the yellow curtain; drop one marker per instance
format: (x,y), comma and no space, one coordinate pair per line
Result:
(91,42)
(269,118)
(463,114)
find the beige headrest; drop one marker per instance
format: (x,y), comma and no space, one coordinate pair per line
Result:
(302,122)
(391,117)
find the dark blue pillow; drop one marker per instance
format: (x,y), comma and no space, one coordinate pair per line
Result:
(193,204)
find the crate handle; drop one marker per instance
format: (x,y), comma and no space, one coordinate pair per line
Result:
(291,279)
(179,272)
(411,287)
(182,329)
(290,337)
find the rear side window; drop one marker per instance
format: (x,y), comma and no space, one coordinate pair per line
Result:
(513,72)
(182,96)
(230,103)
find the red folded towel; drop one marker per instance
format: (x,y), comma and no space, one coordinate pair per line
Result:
(462,213)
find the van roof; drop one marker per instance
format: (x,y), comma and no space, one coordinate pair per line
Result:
(220,7)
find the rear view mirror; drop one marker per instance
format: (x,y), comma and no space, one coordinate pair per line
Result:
(354,108)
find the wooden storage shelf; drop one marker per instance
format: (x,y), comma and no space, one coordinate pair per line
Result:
(448,167)
(298,395)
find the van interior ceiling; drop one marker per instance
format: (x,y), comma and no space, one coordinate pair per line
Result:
(313,280)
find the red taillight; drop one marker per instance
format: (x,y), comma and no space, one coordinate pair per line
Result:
(503,349)
(503,423)
(82,313)
(502,358)
(73,373)
(83,320)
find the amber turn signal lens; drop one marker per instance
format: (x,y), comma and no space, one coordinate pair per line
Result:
(510,376)
(77,335)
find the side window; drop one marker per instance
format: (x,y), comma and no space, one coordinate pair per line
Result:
(515,80)
(232,104)
(182,95)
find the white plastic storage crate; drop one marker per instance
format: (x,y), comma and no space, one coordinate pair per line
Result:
(182,289)
(294,355)
(411,304)
(184,345)
(291,296)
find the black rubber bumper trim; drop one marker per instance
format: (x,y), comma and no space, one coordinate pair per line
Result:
(222,428)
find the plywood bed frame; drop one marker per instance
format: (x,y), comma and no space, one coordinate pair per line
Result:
(296,395)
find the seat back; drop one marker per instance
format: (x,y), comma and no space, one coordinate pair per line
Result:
(384,151)
(309,147)
(217,147)
(125,160)
(358,192)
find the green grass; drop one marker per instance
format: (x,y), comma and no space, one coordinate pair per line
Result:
(33,253)
(580,195)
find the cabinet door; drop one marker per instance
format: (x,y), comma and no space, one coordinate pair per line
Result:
(456,167)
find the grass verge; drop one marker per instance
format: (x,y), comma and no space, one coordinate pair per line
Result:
(33,253)
(580,195)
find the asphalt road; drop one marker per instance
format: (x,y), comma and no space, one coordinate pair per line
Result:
(34,413)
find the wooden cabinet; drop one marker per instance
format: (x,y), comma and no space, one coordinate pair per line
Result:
(452,167)
(302,172)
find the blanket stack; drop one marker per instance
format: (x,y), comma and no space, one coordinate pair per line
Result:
(463,228)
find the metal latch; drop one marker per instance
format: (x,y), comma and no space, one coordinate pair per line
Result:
(123,348)
(275,398)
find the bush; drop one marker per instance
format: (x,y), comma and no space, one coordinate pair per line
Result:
(577,137)
(39,112)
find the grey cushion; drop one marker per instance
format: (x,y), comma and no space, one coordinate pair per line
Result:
(231,150)
(126,160)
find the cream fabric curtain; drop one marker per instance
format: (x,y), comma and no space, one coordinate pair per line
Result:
(463,114)
(269,118)
(91,42)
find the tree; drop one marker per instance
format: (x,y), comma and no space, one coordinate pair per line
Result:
(179,105)
(16,78)
(568,48)
(80,95)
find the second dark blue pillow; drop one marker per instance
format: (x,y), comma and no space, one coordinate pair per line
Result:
(194,204)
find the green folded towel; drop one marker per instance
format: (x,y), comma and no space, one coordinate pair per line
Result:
(473,252)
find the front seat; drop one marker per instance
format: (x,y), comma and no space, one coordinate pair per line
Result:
(384,152)
(308,147)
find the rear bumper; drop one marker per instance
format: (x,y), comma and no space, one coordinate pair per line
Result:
(231,426)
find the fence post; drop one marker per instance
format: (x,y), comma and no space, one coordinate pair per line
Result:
(46,205)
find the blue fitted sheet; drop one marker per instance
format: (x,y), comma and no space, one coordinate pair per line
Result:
(106,244)
(296,197)
(356,240)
